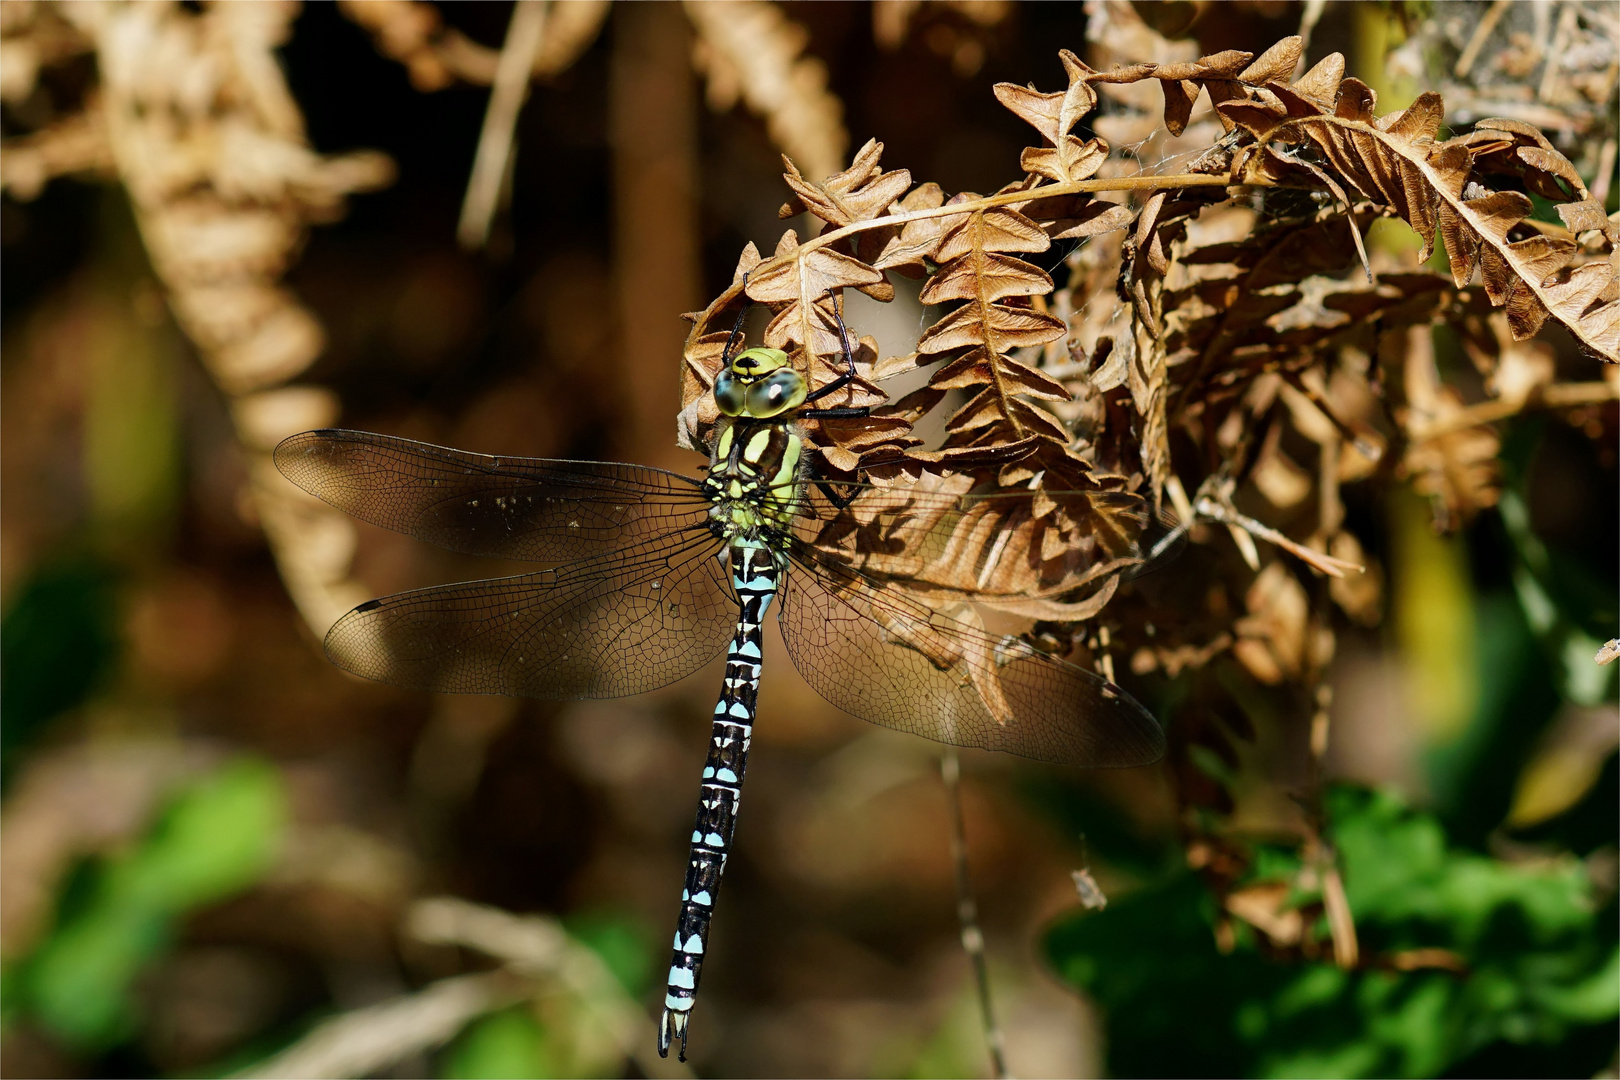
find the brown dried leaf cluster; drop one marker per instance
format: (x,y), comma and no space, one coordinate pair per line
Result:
(1549,65)
(1441,188)
(749,50)
(1238,360)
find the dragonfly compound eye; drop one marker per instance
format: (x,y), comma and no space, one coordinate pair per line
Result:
(776,393)
(729,394)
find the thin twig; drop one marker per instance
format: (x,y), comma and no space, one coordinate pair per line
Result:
(1307,26)
(368,1040)
(523,37)
(1555,55)
(1028,195)
(1557,396)
(967,911)
(1363,446)
(1482,33)
(1327,564)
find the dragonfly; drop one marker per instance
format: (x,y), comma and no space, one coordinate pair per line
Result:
(649,574)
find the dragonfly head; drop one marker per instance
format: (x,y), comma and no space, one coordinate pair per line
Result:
(759,383)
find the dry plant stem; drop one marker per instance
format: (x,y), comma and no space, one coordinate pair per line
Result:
(1307,26)
(653,131)
(1363,447)
(1045,191)
(1549,75)
(1482,33)
(523,39)
(1605,172)
(1341,921)
(368,1040)
(538,949)
(967,911)
(1557,396)
(1327,564)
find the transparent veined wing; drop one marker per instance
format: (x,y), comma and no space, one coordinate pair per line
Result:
(996,546)
(537,509)
(621,623)
(881,654)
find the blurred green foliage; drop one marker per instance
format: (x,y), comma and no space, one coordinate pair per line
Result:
(626,945)
(560,1032)
(217,837)
(510,1043)
(1542,965)
(58,643)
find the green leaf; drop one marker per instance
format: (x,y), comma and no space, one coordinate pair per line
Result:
(510,1043)
(218,837)
(57,642)
(1542,965)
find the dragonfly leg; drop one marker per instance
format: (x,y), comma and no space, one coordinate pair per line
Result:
(736,331)
(843,380)
(839,501)
(755,576)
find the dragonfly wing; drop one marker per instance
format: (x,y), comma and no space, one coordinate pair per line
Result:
(508,507)
(885,656)
(622,623)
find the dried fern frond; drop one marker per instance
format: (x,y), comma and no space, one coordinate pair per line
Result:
(205,136)
(749,49)
(1395,160)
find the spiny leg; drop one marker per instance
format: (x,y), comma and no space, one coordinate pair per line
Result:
(755,576)
(843,380)
(736,331)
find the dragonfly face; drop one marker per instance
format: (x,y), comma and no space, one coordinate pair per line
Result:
(759,383)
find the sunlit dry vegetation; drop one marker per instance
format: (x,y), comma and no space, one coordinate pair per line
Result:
(1316,305)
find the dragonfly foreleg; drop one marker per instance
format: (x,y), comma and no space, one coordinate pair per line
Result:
(843,380)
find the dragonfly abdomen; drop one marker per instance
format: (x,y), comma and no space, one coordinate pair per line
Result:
(755,575)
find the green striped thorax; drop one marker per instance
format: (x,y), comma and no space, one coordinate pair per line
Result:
(753,478)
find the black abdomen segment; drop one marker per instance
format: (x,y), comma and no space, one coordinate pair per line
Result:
(755,577)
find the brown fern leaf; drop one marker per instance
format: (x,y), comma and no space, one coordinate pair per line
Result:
(1224,76)
(751,50)
(913,246)
(1395,161)
(1066,158)
(859,193)
(978,267)
(1144,263)
(1024,557)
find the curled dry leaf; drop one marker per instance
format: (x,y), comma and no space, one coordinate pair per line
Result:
(1279,639)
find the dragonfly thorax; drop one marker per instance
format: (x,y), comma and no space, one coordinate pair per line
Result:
(754,480)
